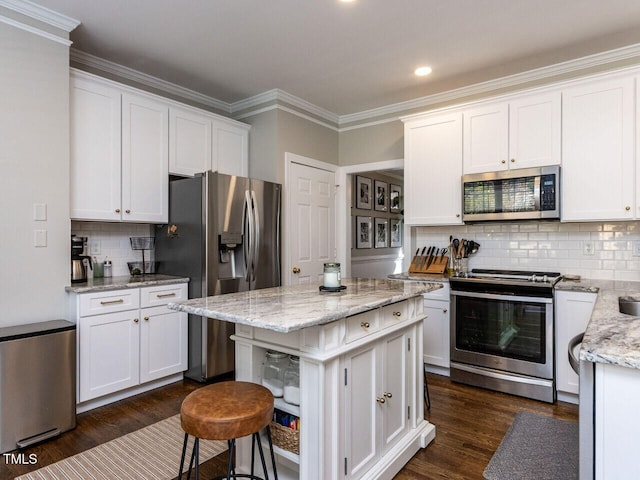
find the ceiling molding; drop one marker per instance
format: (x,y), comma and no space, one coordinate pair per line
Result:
(41,14)
(121,71)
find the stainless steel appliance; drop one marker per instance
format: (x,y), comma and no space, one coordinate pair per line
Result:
(502,331)
(37,382)
(79,259)
(520,194)
(224,234)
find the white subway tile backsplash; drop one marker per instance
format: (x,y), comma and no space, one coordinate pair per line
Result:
(549,246)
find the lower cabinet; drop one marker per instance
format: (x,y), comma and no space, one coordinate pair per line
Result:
(129,337)
(436,331)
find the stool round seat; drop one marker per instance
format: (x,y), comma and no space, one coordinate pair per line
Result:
(226,410)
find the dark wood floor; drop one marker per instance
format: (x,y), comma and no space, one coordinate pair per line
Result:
(470,424)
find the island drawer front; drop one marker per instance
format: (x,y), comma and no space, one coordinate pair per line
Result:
(361,325)
(97,303)
(158,295)
(395,313)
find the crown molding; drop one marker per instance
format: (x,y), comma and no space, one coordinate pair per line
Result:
(121,71)
(41,14)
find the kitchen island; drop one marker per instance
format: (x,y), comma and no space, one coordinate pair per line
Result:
(361,383)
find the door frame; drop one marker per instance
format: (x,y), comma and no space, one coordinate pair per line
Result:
(343,215)
(289,159)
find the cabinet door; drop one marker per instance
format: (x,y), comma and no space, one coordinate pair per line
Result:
(534,131)
(109,353)
(361,410)
(432,171)
(163,343)
(145,160)
(189,141)
(436,333)
(94,151)
(573,312)
(395,378)
(486,139)
(598,151)
(230,148)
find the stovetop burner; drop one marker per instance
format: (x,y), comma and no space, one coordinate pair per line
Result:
(534,279)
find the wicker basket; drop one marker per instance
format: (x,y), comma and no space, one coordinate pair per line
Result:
(285,438)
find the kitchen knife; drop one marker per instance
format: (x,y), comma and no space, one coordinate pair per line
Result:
(425,258)
(433,256)
(414,262)
(421,260)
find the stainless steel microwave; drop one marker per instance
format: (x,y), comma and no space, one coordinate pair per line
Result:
(520,194)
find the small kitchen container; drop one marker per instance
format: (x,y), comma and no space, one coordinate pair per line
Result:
(275,364)
(292,381)
(331,275)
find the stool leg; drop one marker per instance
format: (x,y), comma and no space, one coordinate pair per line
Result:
(184,451)
(193,451)
(273,457)
(231,469)
(427,399)
(253,453)
(264,464)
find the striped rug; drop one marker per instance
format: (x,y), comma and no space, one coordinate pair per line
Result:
(151,453)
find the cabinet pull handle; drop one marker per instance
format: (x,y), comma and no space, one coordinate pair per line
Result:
(111,302)
(503,161)
(117,210)
(365,324)
(457,215)
(136,320)
(146,319)
(397,314)
(165,295)
(627,208)
(513,160)
(444,310)
(381,400)
(388,394)
(127,211)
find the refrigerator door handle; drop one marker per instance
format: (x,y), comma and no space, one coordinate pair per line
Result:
(256,243)
(248,230)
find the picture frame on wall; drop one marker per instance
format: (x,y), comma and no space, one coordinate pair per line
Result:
(395,198)
(363,232)
(381,232)
(395,232)
(364,193)
(380,193)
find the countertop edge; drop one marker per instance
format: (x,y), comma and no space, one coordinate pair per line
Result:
(124,282)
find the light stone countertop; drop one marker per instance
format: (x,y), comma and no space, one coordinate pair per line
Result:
(125,281)
(423,277)
(611,337)
(291,308)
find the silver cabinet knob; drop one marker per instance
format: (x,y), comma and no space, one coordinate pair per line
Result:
(381,400)
(136,320)
(365,324)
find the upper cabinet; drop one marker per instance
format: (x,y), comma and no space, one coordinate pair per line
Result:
(433,169)
(203,141)
(521,133)
(598,164)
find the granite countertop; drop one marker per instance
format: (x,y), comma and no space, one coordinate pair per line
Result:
(117,283)
(423,277)
(291,308)
(611,337)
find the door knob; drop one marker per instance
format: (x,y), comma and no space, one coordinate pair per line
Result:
(295,270)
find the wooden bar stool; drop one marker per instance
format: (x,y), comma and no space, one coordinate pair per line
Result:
(226,411)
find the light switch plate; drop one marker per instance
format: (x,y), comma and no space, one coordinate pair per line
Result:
(40,212)
(95,247)
(588,248)
(39,238)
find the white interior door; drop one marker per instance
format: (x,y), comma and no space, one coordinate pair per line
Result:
(311,225)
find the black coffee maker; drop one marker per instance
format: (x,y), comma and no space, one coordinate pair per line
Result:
(79,259)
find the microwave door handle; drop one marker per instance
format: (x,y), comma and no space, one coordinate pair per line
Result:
(536,192)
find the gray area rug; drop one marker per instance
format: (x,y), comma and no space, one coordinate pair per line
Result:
(536,447)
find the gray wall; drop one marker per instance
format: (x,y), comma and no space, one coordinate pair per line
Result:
(34,161)
(372,144)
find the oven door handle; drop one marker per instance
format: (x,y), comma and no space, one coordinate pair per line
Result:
(494,296)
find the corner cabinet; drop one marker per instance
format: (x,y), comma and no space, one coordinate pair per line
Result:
(432,169)
(361,402)
(128,342)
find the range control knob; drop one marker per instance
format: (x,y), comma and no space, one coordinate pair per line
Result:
(545,279)
(533,278)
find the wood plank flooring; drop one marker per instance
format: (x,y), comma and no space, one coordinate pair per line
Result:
(470,423)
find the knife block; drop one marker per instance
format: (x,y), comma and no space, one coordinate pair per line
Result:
(438,265)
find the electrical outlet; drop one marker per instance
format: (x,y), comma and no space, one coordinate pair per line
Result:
(94,247)
(636,249)
(588,248)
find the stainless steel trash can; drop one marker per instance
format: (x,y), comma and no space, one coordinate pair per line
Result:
(37,382)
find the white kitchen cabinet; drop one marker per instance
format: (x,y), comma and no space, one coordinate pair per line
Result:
(598,165)
(203,141)
(572,314)
(119,153)
(436,331)
(127,338)
(433,169)
(521,133)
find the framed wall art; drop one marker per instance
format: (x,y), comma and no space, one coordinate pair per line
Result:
(364,193)
(395,227)
(363,232)
(395,198)
(381,196)
(381,232)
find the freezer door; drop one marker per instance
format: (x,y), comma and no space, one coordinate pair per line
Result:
(265,199)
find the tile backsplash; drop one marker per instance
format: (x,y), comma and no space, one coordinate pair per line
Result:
(548,246)
(112,240)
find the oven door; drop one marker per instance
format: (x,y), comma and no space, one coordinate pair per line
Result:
(503,332)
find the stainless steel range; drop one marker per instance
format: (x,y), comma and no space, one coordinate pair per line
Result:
(502,331)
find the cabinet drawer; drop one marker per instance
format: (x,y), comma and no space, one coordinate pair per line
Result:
(361,325)
(395,313)
(97,303)
(162,294)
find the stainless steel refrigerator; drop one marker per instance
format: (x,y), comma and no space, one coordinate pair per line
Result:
(224,234)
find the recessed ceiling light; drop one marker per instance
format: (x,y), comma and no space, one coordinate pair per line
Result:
(347,1)
(422,71)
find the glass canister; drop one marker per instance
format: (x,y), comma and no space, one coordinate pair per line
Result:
(331,275)
(275,364)
(292,381)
